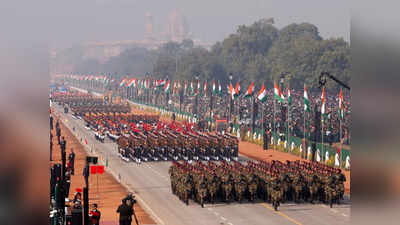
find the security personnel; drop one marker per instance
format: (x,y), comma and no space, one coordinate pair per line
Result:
(58,133)
(51,122)
(71,159)
(125,213)
(63,144)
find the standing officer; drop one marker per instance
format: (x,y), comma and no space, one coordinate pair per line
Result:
(67,183)
(125,213)
(51,122)
(63,143)
(58,133)
(71,159)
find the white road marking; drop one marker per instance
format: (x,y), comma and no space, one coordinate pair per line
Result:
(230,223)
(223,218)
(344,215)
(215,213)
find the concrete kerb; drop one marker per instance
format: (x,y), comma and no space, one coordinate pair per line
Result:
(119,179)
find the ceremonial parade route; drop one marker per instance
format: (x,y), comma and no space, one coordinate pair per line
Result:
(151,184)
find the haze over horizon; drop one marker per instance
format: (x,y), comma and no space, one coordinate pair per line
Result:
(208,20)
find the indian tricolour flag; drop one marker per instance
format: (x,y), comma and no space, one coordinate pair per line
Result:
(161,83)
(198,87)
(167,86)
(323,101)
(205,89)
(214,88)
(122,82)
(237,89)
(191,88)
(178,90)
(278,94)
(262,94)
(184,87)
(249,91)
(219,89)
(341,105)
(231,91)
(306,100)
(130,83)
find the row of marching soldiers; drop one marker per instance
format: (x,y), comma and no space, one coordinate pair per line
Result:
(115,125)
(274,182)
(167,144)
(83,103)
(83,110)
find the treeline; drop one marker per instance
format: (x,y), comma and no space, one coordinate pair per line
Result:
(259,52)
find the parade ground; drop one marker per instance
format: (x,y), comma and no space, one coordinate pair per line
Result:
(151,184)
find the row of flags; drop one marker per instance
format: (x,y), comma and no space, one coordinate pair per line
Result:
(190,89)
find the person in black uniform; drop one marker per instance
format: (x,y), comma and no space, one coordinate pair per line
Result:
(63,144)
(125,213)
(71,159)
(67,183)
(58,133)
(51,122)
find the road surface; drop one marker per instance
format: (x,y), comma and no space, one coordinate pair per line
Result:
(150,181)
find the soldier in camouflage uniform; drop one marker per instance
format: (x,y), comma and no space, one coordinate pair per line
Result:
(239,186)
(276,193)
(201,190)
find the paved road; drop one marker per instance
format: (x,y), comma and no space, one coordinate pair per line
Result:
(150,181)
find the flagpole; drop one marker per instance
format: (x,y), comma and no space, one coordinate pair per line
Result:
(287,122)
(340,141)
(322,131)
(273,143)
(263,122)
(305,135)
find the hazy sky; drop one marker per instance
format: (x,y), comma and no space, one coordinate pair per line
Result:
(74,21)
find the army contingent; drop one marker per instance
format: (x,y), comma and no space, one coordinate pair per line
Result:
(144,137)
(152,144)
(274,182)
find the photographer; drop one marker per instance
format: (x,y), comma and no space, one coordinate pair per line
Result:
(126,210)
(130,199)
